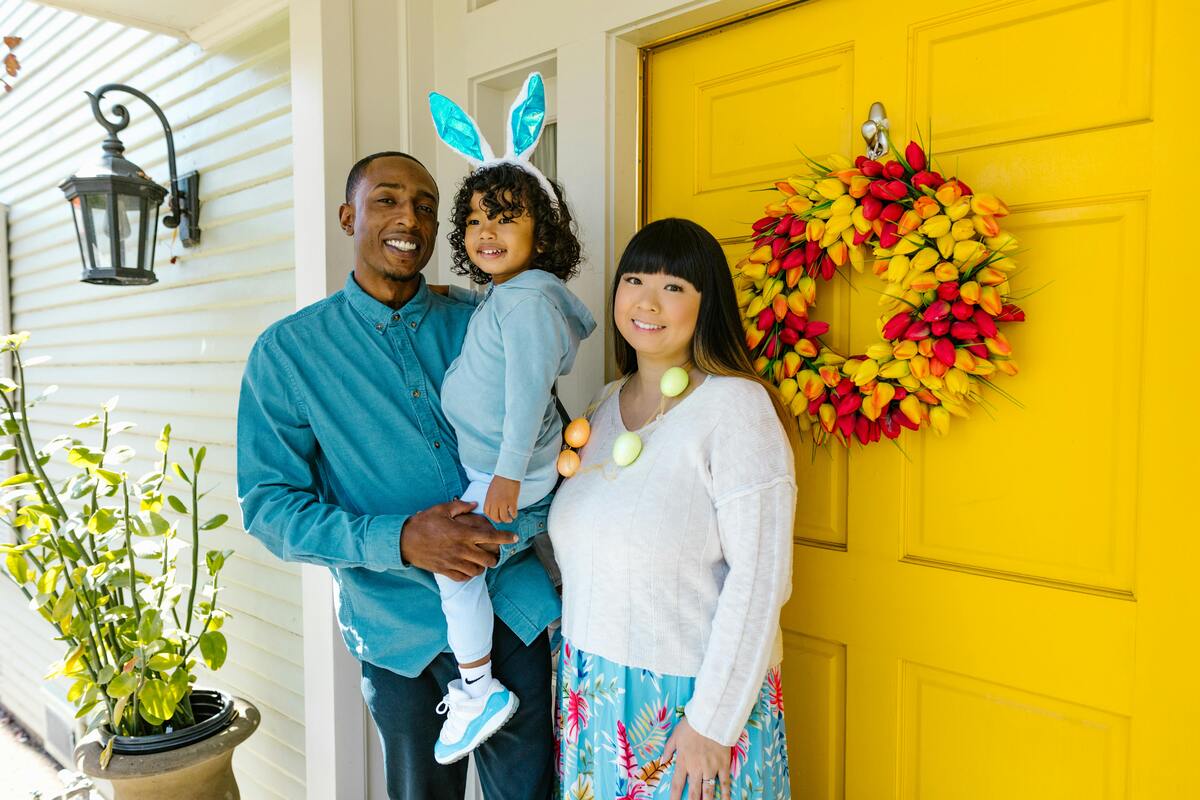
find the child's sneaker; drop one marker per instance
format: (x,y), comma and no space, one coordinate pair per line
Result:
(471,720)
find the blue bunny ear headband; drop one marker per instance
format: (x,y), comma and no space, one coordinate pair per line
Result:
(526,119)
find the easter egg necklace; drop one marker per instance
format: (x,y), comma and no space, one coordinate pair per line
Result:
(627,446)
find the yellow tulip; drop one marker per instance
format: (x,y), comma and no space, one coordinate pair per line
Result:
(958,210)
(998,345)
(897,268)
(744,297)
(985,225)
(919,366)
(939,420)
(982,367)
(756,306)
(777,371)
(791,363)
(828,416)
(779,306)
(859,185)
(771,289)
(797,204)
(988,204)
(796,303)
(831,358)
(831,188)
(909,222)
(962,230)
(1007,366)
(945,245)
(957,381)
(1002,243)
(843,206)
(814,230)
(922,281)
(866,371)
(760,363)
(964,360)
(831,375)
(806,348)
(858,257)
(989,300)
(990,277)
(969,253)
(808,289)
(925,259)
(935,227)
(762,255)
(883,394)
(860,222)
(879,351)
(909,244)
(894,369)
(948,193)
(905,350)
(798,405)
(910,406)
(969,292)
(945,271)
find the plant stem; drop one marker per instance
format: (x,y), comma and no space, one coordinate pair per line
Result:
(195,543)
(137,607)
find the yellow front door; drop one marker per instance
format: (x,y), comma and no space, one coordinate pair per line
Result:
(1006,612)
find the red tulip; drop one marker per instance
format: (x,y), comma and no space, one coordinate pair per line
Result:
(900,394)
(889,237)
(846,425)
(915,156)
(794,321)
(892,212)
(897,190)
(793,258)
(778,246)
(811,251)
(964,331)
(896,325)
(961,310)
(939,328)
(858,162)
(845,386)
(784,228)
(979,350)
(849,404)
(901,419)
(1010,313)
(966,190)
(872,207)
(986,325)
(816,329)
(763,224)
(789,336)
(827,267)
(772,346)
(893,169)
(879,189)
(948,291)
(924,178)
(766,318)
(870,168)
(937,310)
(943,351)
(917,331)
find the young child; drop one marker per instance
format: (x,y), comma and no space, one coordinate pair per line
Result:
(511,232)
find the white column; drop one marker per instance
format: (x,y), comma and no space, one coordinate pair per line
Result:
(323,148)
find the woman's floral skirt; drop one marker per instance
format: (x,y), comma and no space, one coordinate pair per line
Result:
(613,720)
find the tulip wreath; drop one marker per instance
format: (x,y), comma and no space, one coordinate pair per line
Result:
(940,250)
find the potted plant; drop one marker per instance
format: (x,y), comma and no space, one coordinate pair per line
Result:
(97,553)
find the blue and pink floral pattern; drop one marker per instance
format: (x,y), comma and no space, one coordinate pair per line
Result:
(613,721)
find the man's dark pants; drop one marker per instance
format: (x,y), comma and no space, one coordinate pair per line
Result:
(516,763)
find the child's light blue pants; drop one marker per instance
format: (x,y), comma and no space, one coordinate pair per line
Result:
(467,604)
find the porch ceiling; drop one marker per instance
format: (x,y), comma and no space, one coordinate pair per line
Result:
(206,23)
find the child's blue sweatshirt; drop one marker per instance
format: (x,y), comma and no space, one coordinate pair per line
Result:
(497,393)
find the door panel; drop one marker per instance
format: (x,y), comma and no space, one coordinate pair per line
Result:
(964,609)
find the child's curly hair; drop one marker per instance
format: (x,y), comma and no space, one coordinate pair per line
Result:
(510,190)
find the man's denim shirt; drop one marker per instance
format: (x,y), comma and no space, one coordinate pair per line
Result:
(341,438)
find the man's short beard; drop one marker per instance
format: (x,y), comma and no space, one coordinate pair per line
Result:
(390,276)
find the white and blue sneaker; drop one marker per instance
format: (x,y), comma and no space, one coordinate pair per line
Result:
(471,720)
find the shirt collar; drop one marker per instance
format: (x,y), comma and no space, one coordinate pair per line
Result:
(379,315)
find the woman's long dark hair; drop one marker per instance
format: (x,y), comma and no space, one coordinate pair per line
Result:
(682,249)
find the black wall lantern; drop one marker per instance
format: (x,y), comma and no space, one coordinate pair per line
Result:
(115,203)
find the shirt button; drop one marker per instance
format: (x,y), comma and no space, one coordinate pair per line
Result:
(437,444)
(379,326)
(395,317)
(416,392)
(412,324)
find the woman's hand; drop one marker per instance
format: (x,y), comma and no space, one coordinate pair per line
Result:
(500,505)
(697,758)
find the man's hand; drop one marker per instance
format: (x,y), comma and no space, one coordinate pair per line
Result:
(501,501)
(450,541)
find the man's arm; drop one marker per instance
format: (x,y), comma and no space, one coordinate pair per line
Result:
(281,507)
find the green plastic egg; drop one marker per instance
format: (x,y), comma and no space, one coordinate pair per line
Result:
(673,382)
(626,449)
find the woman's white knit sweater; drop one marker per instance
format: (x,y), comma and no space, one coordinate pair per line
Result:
(680,562)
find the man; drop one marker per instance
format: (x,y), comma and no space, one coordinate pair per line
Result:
(345,460)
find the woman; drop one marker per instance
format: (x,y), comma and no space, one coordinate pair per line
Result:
(675,566)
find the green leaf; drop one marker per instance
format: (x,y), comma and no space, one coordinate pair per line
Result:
(20,477)
(63,605)
(150,628)
(198,460)
(102,521)
(215,559)
(164,439)
(159,523)
(106,674)
(179,471)
(88,422)
(177,504)
(215,522)
(122,685)
(77,689)
(109,477)
(157,699)
(18,567)
(163,662)
(213,648)
(7,453)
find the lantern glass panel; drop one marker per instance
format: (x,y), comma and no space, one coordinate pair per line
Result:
(98,207)
(149,232)
(129,212)
(80,235)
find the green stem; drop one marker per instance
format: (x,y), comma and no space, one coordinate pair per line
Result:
(137,607)
(195,545)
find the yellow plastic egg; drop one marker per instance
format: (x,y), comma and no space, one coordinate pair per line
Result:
(577,432)
(568,463)
(673,382)
(626,449)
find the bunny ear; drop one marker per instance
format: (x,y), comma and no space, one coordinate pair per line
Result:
(456,128)
(526,118)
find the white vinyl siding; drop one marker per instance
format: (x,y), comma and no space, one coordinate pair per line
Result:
(173,351)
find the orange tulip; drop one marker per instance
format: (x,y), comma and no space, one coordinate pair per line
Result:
(926,207)
(990,301)
(948,193)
